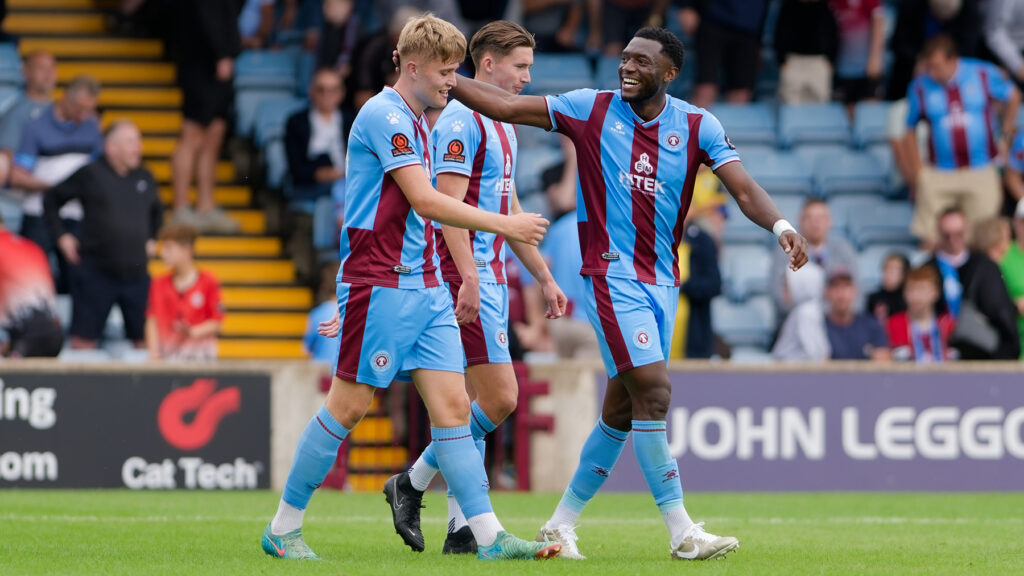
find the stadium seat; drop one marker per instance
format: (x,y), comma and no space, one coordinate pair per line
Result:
(325,227)
(790,206)
(739,230)
(10,66)
(887,223)
(275,160)
(748,323)
(747,123)
(271,117)
(264,69)
(780,172)
(558,73)
(813,124)
(64,310)
(530,164)
(869,123)
(842,206)
(811,153)
(745,270)
(883,154)
(850,172)
(305,67)
(10,209)
(247,102)
(750,355)
(608,72)
(530,137)
(8,96)
(869,264)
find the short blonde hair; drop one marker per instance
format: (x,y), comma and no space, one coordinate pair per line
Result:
(429,37)
(990,232)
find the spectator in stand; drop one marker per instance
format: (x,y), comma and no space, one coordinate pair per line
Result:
(318,347)
(888,299)
(314,140)
(375,68)
(803,337)
(806,43)
(1012,266)
(61,140)
(861,49)
(616,21)
(728,36)
(1012,175)
(555,24)
(1004,35)
(185,312)
(973,276)
(829,251)
(447,10)
(205,69)
(28,300)
(919,21)
(957,97)
(121,215)
(700,278)
(256,24)
(852,335)
(918,334)
(40,80)
(338,36)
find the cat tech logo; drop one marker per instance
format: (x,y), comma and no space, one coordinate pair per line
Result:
(188,417)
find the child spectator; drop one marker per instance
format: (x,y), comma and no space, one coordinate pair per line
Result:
(28,300)
(888,299)
(918,334)
(185,311)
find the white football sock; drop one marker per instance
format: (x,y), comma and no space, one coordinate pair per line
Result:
(288,518)
(485,528)
(563,516)
(678,522)
(456,519)
(421,474)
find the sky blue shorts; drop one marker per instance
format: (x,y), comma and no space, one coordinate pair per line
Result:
(485,340)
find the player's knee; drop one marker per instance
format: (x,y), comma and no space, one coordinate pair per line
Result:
(504,404)
(653,404)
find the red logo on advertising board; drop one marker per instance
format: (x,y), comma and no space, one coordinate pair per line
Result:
(207,405)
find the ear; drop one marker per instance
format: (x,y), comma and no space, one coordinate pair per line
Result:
(670,75)
(487,63)
(411,68)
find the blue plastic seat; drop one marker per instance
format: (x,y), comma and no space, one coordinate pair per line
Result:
(887,223)
(850,172)
(271,116)
(780,172)
(608,72)
(745,270)
(747,323)
(559,73)
(740,230)
(265,69)
(276,161)
(747,123)
(10,66)
(813,124)
(10,210)
(247,102)
(842,206)
(870,121)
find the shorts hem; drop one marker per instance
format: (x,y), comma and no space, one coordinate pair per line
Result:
(487,360)
(347,376)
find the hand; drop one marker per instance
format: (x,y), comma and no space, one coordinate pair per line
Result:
(68,245)
(467,306)
(555,299)
(182,328)
(874,69)
(328,174)
(1020,305)
(225,69)
(331,328)
(526,227)
(396,61)
(796,246)
(252,43)
(151,248)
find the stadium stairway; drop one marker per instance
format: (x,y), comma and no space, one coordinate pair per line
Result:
(266,308)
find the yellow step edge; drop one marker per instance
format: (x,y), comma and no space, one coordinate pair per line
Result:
(386,457)
(239,271)
(161,170)
(285,324)
(253,297)
(366,482)
(373,429)
(28,23)
(134,48)
(267,247)
(158,146)
(148,121)
(112,73)
(259,349)
(223,195)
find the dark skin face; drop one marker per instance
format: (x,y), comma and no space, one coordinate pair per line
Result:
(644,75)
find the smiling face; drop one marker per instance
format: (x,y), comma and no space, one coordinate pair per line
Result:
(434,78)
(511,73)
(644,70)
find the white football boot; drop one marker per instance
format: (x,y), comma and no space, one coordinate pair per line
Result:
(697,544)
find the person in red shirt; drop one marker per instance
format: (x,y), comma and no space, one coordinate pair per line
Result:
(918,335)
(185,312)
(28,300)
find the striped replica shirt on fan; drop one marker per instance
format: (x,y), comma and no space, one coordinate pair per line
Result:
(635,179)
(960,113)
(384,241)
(464,142)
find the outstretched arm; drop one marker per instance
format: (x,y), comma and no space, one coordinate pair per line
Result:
(756,205)
(500,105)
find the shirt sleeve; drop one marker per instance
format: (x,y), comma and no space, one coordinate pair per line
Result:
(391,136)
(11,127)
(877,334)
(28,149)
(997,83)
(455,140)
(915,108)
(214,307)
(575,105)
(153,302)
(1015,160)
(713,141)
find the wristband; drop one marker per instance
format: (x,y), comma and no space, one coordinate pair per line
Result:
(781,227)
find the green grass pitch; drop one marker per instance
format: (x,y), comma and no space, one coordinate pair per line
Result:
(189,533)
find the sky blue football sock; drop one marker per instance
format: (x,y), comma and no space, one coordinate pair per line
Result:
(314,456)
(660,469)
(463,469)
(600,453)
(480,425)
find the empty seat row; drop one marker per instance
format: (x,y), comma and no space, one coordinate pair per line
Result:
(793,125)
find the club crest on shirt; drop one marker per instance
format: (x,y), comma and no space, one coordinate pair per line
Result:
(642,338)
(197,300)
(380,360)
(672,141)
(501,339)
(400,145)
(455,150)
